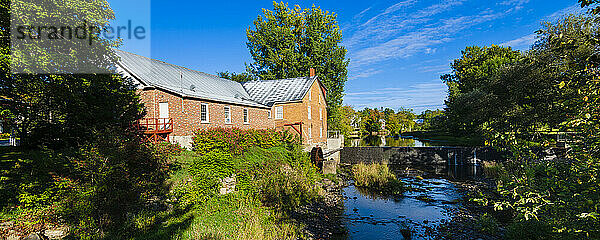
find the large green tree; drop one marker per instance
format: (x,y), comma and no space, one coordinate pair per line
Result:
(82,162)
(286,42)
(474,91)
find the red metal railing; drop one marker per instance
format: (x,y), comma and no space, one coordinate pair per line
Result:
(157,129)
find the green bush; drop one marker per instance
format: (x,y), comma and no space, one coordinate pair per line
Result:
(91,189)
(487,224)
(278,177)
(236,141)
(529,230)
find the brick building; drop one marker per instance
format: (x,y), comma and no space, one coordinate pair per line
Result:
(179,101)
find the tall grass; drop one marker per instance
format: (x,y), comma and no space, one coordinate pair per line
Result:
(377,177)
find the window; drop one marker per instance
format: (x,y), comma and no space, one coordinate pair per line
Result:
(309,113)
(204,118)
(246,116)
(309,95)
(279,113)
(269,114)
(309,132)
(321,132)
(320,114)
(227,111)
(319,98)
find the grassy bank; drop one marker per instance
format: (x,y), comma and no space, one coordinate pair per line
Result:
(274,179)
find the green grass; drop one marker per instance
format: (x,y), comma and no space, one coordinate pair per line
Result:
(377,177)
(228,217)
(254,211)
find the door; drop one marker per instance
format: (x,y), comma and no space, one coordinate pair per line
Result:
(163,115)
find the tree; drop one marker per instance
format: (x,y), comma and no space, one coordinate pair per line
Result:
(475,95)
(82,162)
(286,43)
(238,77)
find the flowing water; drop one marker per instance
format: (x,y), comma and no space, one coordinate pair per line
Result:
(431,202)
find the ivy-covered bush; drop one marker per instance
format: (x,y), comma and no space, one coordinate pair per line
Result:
(269,167)
(236,141)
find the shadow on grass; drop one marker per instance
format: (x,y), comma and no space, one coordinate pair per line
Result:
(9,174)
(170,226)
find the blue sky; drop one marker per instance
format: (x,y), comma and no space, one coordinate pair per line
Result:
(397,49)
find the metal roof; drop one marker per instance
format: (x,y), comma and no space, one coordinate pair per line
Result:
(183,81)
(270,92)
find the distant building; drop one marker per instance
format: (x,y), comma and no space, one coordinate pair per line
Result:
(179,101)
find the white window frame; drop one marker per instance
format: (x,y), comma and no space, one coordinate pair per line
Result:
(310,95)
(246,116)
(269,114)
(207,120)
(319,98)
(279,112)
(309,132)
(309,109)
(320,114)
(321,132)
(227,113)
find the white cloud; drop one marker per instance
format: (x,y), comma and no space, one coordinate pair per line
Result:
(422,96)
(367,73)
(399,31)
(521,43)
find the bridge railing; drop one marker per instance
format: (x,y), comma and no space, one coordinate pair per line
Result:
(333,134)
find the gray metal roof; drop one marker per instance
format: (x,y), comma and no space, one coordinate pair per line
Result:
(270,92)
(183,81)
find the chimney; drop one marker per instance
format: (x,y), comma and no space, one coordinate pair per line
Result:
(312,72)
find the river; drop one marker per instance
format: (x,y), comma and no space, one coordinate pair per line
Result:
(433,200)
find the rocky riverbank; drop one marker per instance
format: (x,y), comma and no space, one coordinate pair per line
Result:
(472,220)
(323,219)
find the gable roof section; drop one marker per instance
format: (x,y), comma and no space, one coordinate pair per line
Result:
(183,81)
(271,92)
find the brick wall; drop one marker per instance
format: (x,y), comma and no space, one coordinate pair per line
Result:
(186,113)
(298,112)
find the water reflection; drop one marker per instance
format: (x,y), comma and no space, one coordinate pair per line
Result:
(373,216)
(432,200)
(382,141)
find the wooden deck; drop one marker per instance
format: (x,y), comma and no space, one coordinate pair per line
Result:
(156,129)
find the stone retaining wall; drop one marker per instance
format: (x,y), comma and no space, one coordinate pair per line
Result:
(418,155)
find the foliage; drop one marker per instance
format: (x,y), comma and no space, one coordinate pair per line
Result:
(273,178)
(377,177)
(474,91)
(238,77)
(287,42)
(586,3)
(370,120)
(91,189)
(236,141)
(433,120)
(66,110)
(487,223)
(552,87)
(529,230)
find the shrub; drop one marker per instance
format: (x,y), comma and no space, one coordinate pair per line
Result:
(529,230)
(92,189)
(278,177)
(166,151)
(378,177)
(487,224)
(236,141)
